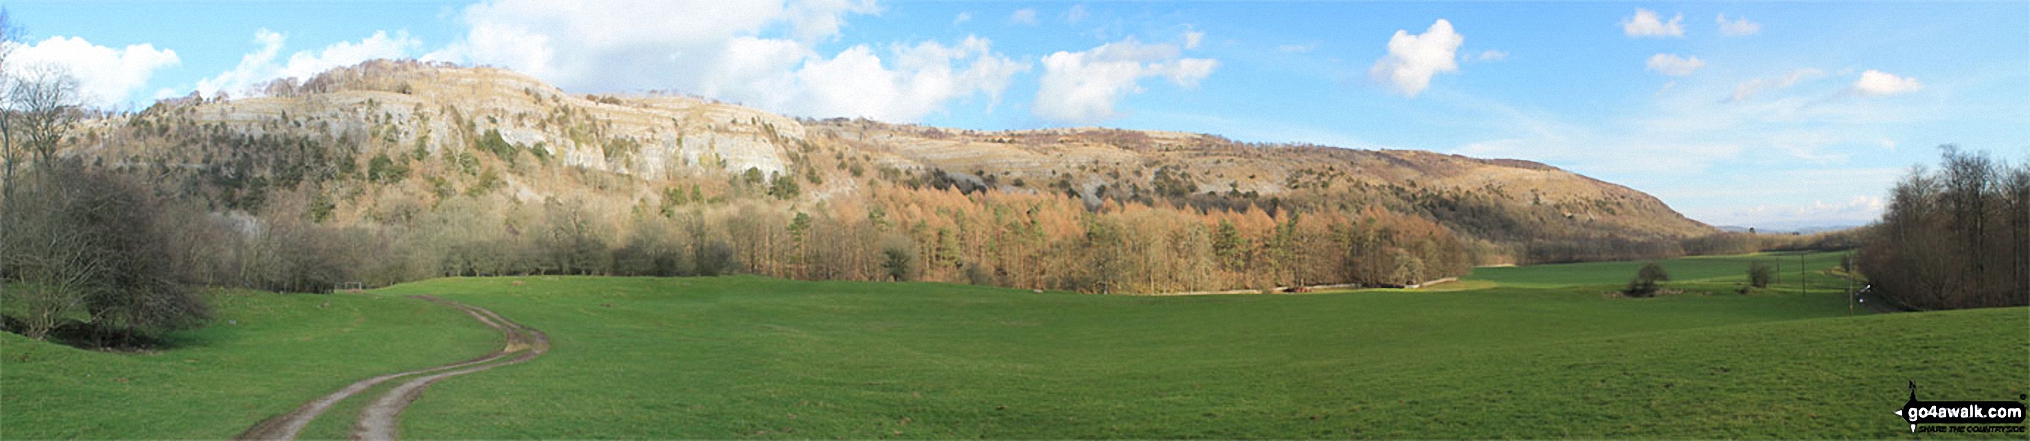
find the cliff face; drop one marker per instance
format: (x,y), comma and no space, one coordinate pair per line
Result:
(361,138)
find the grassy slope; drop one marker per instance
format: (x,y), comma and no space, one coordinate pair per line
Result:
(217,381)
(734,357)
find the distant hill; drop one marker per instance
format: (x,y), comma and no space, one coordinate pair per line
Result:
(1788,228)
(383,141)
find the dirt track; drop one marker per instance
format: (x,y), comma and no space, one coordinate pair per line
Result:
(378,420)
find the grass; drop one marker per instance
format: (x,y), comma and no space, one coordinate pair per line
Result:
(266,354)
(751,357)
(1540,354)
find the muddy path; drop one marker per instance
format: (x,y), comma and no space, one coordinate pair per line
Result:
(378,420)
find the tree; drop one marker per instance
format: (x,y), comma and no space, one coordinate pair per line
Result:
(47,256)
(1644,284)
(783,187)
(1229,247)
(575,242)
(44,103)
(898,259)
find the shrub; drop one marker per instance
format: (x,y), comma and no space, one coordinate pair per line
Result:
(980,274)
(1761,274)
(1644,284)
(715,258)
(91,243)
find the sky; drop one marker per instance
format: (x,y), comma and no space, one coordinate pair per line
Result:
(1739,113)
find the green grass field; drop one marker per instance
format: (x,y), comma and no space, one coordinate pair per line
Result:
(266,354)
(1541,354)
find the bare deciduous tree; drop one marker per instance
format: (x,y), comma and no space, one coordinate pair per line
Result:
(44,101)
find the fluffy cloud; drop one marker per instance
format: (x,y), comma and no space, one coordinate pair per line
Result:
(761,53)
(106,76)
(1738,27)
(855,83)
(1875,82)
(1023,16)
(1083,86)
(608,45)
(1191,39)
(1674,65)
(1646,23)
(1486,55)
(261,66)
(1413,59)
(1750,88)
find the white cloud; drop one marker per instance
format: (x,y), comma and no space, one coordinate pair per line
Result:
(260,66)
(1485,56)
(763,54)
(1750,88)
(1413,59)
(1738,27)
(1191,39)
(962,18)
(1674,65)
(1646,23)
(1076,14)
(855,82)
(1025,16)
(1083,86)
(607,45)
(1875,82)
(106,76)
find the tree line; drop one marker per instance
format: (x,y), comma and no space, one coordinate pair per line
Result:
(1957,236)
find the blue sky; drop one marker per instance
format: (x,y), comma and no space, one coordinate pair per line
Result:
(1767,114)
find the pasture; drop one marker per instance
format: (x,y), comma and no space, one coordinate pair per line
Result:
(1543,353)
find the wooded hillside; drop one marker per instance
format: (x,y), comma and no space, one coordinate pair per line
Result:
(398,170)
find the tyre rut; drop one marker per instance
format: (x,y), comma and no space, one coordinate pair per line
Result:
(378,420)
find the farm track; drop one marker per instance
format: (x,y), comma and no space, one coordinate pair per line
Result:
(378,420)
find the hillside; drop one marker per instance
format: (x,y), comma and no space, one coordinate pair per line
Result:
(388,143)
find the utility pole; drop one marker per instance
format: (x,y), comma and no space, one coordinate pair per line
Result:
(1849,258)
(1800,273)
